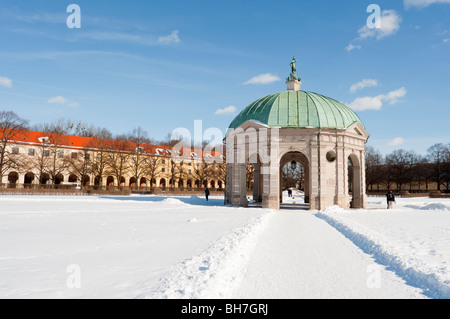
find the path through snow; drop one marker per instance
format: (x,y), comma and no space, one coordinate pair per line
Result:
(301,256)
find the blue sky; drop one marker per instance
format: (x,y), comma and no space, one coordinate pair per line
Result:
(163,64)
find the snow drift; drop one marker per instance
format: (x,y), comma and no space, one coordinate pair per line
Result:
(400,245)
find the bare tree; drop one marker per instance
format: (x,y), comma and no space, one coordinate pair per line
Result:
(101,143)
(68,127)
(221,172)
(438,156)
(446,168)
(152,169)
(40,161)
(413,161)
(50,161)
(60,126)
(175,171)
(11,126)
(57,161)
(80,163)
(201,171)
(399,166)
(117,162)
(168,141)
(139,137)
(374,162)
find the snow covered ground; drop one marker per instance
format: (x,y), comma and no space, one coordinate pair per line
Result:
(412,240)
(185,247)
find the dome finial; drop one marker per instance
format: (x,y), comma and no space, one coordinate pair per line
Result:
(293,82)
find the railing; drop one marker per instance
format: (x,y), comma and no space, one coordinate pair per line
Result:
(13,188)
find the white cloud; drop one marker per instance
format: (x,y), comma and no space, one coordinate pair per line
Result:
(396,141)
(394,96)
(138,38)
(228,110)
(171,38)
(4,81)
(446,40)
(352,47)
(389,25)
(36,17)
(112,36)
(263,79)
(422,3)
(58,100)
(62,100)
(376,102)
(363,84)
(366,103)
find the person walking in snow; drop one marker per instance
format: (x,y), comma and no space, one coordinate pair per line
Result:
(206,193)
(390,199)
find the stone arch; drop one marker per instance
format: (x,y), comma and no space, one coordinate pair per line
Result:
(258,180)
(86,180)
(143,182)
(355,186)
(110,181)
(301,158)
(13,177)
(28,178)
(73,178)
(59,179)
(44,179)
(245,147)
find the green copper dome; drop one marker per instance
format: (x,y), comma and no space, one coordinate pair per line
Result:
(298,109)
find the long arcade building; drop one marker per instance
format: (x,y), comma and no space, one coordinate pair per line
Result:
(36,158)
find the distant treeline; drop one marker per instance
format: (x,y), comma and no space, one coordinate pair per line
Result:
(404,170)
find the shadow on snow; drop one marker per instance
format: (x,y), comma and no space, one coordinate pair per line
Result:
(193,200)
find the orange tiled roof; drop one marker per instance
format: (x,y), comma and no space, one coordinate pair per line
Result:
(79,142)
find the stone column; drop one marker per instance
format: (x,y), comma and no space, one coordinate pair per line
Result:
(306,186)
(228,184)
(342,199)
(21,180)
(314,174)
(256,184)
(271,186)
(363,203)
(239,190)
(271,173)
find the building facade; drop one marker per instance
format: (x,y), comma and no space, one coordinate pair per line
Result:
(35,158)
(326,137)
